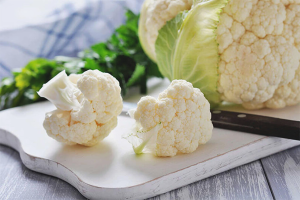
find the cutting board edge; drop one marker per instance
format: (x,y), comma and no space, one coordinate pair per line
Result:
(248,153)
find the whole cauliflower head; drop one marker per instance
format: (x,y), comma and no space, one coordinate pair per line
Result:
(258,42)
(177,122)
(87,107)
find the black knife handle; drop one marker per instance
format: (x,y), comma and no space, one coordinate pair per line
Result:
(257,124)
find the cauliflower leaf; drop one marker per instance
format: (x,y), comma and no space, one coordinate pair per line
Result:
(186,48)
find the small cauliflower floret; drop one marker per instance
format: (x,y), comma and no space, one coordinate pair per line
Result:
(87,107)
(177,122)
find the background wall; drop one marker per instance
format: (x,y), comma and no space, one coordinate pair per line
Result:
(47,28)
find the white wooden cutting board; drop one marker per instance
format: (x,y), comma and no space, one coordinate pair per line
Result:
(111,170)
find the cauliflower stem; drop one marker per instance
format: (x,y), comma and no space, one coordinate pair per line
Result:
(61,92)
(143,141)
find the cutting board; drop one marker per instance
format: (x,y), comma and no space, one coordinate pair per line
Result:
(111,170)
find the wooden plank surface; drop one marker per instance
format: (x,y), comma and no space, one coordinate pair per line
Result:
(283,173)
(17,182)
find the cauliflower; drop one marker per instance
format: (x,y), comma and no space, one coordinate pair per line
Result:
(154,15)
(87,107)
(242,51)
(177,122)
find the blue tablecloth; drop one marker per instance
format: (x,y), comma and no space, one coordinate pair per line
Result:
(47,28)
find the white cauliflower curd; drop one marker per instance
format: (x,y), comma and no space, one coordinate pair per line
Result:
(87,107)
(177,122)
(242,51)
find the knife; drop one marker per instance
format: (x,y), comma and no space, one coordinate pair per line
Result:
(244,122)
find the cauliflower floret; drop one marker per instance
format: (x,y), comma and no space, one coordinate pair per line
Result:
(251,72)
(260,60)
(177,122)
(99,102)
(102,131)
(266,17)
(286,95)
(85,113)
(103,91)
(74,78)
(59,125)
(146,112)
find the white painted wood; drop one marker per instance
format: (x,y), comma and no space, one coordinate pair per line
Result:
(241,183)
(283,173)
(111,170)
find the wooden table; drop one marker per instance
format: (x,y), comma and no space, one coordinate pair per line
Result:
(274,177)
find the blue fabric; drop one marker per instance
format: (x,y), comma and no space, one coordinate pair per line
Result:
(67,29)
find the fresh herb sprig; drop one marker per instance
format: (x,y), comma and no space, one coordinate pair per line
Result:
(122,56)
